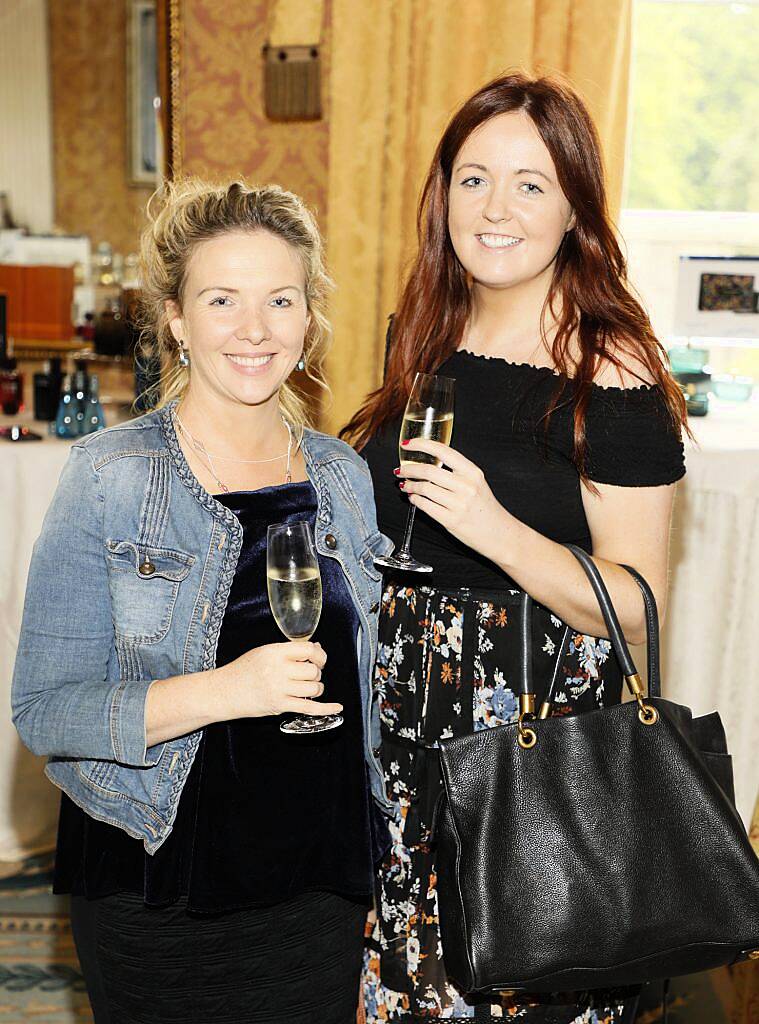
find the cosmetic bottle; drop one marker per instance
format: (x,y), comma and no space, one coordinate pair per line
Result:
(94,419)
(65,421)
(11,381)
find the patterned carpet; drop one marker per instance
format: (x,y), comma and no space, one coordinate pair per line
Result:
(40,980)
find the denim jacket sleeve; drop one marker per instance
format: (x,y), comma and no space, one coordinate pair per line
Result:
(63,703)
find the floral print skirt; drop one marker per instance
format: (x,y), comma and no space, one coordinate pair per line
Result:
(448,663)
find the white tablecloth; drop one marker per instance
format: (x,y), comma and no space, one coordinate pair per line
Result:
(29,473)
(710,637)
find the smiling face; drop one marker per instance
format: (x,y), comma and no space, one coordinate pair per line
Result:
(507,214)
(244,316)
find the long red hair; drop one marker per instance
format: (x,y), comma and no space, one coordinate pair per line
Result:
(589,280)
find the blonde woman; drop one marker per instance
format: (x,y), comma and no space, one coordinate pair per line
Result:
(220,870)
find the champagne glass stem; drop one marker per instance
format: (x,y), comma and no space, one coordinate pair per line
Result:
(405,551)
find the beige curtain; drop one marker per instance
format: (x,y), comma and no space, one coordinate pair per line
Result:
(398,70)
(295,22)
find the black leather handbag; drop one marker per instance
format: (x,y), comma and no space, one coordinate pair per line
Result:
(595,850)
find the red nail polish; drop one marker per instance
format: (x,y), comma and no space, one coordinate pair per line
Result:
(404,443)
(397,472)
(402,486)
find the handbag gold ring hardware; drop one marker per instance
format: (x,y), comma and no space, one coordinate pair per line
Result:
(527,738)
(646,713)
(634,685)
(526,705)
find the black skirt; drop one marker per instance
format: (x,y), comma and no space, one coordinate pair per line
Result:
(293,963)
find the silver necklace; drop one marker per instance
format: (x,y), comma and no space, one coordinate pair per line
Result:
(202,450)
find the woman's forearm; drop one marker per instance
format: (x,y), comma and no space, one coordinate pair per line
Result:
(554,578)
(628,525)
(183,704)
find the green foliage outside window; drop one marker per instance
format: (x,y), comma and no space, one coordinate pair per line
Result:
(695,107)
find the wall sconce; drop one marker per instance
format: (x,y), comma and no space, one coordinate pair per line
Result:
(292,83)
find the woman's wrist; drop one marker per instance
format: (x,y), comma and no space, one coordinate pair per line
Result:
(219,695)
(182,704)
(502,541)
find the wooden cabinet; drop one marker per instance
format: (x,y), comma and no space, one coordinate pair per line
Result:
(39,301)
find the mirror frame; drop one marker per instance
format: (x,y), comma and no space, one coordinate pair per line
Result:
(169,51)
(138,93)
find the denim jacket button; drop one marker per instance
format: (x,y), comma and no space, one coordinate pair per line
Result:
(374,608)
(146,569)
(331,541)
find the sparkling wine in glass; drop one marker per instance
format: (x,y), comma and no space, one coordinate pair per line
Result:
(295,597)
(429,415)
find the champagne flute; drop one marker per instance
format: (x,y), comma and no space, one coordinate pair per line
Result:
(429,415)
(294,584)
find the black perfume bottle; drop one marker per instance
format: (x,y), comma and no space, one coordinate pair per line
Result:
(47,390)
(11,381)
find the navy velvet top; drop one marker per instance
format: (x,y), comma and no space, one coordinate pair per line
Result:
(263,816)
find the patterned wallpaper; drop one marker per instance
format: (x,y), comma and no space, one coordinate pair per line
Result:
(88,86)
(225,131)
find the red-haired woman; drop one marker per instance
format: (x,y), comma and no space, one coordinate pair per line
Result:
(567,429)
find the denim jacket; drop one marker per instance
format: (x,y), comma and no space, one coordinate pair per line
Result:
(128,583)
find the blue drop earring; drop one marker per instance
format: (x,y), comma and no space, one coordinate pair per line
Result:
(184,359)
(301,364)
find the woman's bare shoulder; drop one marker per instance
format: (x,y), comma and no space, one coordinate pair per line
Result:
(627,369)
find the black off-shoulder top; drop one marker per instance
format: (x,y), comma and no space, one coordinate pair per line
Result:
(499,424)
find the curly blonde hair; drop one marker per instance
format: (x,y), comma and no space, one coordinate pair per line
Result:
(183,213)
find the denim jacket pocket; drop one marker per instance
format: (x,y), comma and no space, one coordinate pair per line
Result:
(144,583)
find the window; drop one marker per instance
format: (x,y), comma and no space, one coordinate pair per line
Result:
(692,169)
(695,106)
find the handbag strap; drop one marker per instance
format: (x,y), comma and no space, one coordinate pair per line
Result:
(527,736)
(613,628)
(652,632)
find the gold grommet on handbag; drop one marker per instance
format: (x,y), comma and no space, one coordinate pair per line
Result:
(527,738)
(647,714)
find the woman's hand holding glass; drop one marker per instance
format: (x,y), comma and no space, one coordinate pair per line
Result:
(455,493)
(276,679)
(429,414)
(294,583)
